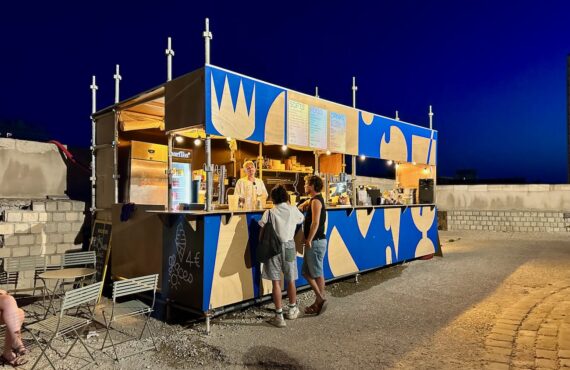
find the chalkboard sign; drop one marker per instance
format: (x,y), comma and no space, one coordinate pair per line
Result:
(101,244)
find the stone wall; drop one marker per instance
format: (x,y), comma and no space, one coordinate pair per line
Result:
(508,208)
(46,227)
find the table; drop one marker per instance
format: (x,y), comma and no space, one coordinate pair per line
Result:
(63,274)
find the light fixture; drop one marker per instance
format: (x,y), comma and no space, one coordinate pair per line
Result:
(284,148)
(328,152)
(197,142)
(228,139)
(362,157)
(179,139)
(414,163)
(390,162)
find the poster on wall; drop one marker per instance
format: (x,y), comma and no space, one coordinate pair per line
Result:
(297,123)
(337,138)
(317,128)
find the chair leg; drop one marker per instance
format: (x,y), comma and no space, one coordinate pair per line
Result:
(151,333)
(106,330)
(43,353)
(85,346)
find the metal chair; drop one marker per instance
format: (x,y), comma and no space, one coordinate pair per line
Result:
(60,325)
(130,308)
(75,259)
(14,266)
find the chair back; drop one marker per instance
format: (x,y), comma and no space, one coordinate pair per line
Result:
(139,284)
(80,296)
(18,264)
(78,258)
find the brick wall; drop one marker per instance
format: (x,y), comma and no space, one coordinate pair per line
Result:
(510,221)
(46,228)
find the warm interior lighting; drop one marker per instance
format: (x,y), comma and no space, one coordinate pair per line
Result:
(228,139)
(197,142)
(284,148)
(390,162)
(179,139)
(328,152)
(362,157)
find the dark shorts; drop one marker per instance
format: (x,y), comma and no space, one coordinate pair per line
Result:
(314,257)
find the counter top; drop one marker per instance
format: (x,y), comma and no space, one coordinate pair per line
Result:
(226,211)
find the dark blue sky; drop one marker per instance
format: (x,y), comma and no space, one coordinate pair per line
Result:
(494,71)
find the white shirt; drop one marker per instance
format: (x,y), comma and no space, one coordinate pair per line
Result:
(284,218)
(250,190)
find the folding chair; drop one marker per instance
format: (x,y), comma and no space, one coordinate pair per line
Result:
(81,259)
(130,308)
(15,265)
(60,325)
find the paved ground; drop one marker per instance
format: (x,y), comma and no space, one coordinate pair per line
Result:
(495,300)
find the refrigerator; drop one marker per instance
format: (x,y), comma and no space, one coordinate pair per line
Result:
(181,190)
(148,179)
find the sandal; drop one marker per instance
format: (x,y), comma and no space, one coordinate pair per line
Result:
(322,307)
(20,350)
(312,309)
(15,362)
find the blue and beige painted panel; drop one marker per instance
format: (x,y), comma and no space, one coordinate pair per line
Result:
(244,108)
(357,240)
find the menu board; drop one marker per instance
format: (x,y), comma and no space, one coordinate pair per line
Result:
(297,123)
(337,138)
(317,128)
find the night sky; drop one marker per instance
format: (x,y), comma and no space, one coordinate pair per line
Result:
(495,72)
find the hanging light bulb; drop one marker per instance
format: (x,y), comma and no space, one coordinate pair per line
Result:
(328,152)
(362,157)
(390,162)
(414,163)
(179,139)
(228,139)
(284,148)
(197,142)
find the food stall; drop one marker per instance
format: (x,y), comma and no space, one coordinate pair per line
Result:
(198,130)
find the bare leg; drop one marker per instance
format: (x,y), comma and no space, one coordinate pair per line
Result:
(313,283)
(292,292)
(321,284)
(13,317)
(277,293)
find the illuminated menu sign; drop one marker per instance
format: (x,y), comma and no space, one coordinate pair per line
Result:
(297,123)
(337,138)
(317,128)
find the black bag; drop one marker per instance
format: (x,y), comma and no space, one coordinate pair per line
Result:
(269,244)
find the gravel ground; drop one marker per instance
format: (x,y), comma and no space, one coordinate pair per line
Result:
(429,314)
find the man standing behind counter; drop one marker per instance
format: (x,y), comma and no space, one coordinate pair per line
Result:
(249,188)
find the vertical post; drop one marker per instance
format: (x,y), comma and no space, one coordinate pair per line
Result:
(397,117)
(209,174)
(116,154)
(169,54)
(260,160)
(93,141)
(316,91)
(317,169)
(354,88)
(207,37)
(117,77)
(169,170)
(430,118)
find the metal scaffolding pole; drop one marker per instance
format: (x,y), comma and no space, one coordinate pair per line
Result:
(117,77)
(169,170)
(207,37)
(354,88)
(209,174)
(169,54)
(93,177)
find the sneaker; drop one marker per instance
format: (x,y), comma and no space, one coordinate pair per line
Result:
(277,321)
(292,313)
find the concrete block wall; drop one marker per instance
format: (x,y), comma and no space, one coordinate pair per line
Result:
(48,227)
(509,221)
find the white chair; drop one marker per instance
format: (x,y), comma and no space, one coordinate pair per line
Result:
(62,324)
(78,259)
(130,308)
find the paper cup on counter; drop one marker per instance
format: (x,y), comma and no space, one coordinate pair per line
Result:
(233,202)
